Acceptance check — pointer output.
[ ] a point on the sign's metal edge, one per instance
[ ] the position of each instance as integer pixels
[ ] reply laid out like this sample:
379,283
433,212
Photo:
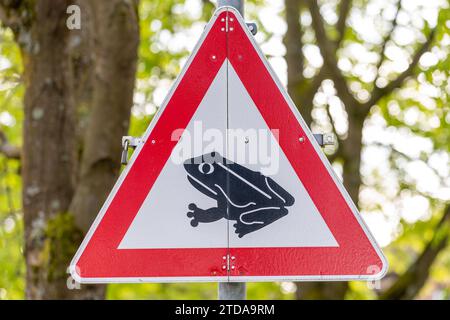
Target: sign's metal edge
187,279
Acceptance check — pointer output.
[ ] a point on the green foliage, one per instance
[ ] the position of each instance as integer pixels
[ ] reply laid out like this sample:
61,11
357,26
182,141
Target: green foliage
162,291
12,264
61,242
195,291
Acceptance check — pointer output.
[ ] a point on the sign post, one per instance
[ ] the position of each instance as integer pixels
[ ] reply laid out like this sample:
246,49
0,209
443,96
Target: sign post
230,290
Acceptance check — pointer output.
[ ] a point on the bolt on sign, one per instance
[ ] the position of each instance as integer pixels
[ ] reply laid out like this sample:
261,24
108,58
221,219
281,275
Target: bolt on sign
228,184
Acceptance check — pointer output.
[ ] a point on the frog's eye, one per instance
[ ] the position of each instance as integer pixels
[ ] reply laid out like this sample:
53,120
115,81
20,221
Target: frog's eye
206,168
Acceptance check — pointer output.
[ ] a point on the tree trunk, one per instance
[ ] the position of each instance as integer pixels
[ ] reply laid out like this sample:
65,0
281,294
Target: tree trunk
113,83
295,59
115,68
48,151
63,80
351,154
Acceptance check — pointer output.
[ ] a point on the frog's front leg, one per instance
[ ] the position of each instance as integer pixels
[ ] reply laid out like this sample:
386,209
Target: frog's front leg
204,215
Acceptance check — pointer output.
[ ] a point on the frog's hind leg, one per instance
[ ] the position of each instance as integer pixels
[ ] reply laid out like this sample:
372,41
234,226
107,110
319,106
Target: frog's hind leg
203,215
256,219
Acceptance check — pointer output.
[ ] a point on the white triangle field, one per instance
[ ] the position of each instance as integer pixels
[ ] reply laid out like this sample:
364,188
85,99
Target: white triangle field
161,222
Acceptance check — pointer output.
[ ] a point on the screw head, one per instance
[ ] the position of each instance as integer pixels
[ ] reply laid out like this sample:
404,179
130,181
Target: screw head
301,139
329,139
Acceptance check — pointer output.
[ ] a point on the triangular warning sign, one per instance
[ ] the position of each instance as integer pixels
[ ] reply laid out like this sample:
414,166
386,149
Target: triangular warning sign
228,185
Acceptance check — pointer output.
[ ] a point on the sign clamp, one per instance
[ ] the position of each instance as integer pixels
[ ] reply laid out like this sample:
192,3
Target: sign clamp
129,142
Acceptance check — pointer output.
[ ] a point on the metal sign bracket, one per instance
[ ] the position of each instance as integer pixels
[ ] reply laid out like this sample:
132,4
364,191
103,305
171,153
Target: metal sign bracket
129,142
323,139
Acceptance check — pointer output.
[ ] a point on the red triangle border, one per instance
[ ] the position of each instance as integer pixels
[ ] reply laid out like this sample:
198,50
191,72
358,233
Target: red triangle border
357,257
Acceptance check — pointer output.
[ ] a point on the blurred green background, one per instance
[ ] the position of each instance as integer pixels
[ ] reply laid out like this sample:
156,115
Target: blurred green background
405,180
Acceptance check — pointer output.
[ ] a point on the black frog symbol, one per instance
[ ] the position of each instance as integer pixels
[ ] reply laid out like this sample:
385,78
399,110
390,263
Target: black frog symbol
245,196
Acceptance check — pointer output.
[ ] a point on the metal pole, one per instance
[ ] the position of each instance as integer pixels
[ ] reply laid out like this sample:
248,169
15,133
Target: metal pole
238,4
232,290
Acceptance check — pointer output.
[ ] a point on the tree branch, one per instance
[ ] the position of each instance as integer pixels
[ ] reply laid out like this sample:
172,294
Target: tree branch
328,52
9,14
308,94
344,10
3,16
295,58
112,95
338,152
379,93
308,91
8,150
293,42
386,39
330,117
411,282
